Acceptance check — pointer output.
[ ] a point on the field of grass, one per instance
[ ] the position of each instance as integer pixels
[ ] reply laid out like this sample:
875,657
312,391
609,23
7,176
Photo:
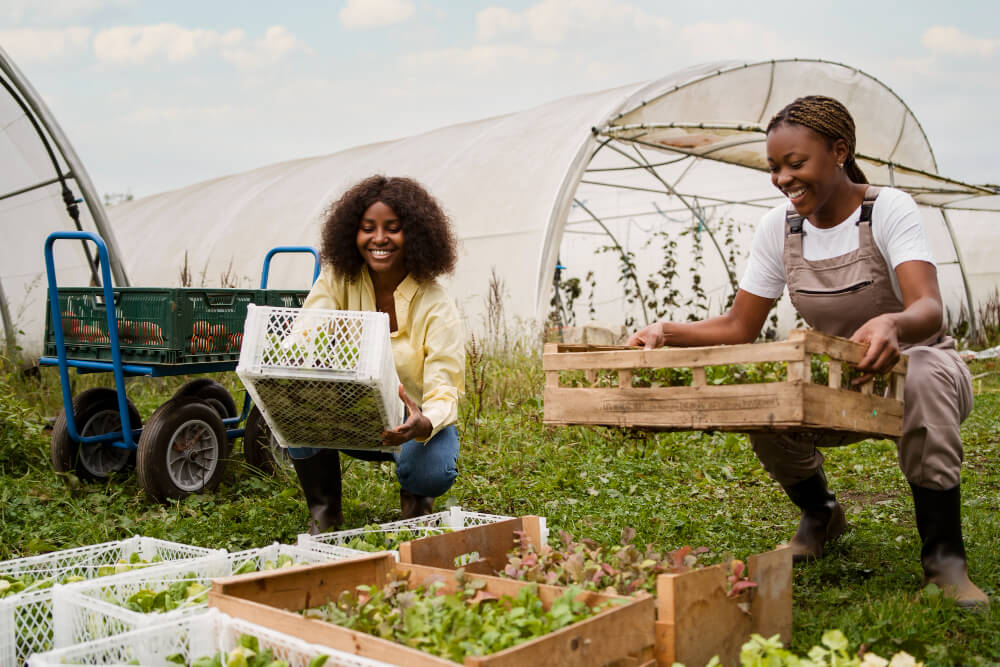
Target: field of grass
674,489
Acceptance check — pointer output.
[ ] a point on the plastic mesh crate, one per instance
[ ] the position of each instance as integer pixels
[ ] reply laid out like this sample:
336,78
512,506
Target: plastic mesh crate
26,623
190,639
322,378
155,325
455,518
90,610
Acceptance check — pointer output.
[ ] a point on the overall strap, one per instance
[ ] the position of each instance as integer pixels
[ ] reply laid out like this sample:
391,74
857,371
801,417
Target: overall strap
793,221
871,194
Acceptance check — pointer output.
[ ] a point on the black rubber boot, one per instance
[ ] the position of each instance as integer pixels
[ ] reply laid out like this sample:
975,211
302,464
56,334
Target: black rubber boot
939,522
822,517
319,476
411,506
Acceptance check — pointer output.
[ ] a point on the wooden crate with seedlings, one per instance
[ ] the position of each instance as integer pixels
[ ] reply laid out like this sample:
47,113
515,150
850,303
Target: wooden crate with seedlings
695,620
613,388
621,635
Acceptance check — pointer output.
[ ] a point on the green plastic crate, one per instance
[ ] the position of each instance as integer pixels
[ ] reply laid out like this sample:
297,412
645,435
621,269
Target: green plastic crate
169,325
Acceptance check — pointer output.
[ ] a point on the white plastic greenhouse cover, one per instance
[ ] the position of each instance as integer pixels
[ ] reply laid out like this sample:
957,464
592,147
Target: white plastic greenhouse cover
514,184
37,161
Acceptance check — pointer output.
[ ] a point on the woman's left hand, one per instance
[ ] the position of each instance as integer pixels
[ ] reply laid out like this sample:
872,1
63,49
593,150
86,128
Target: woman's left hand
416,426
882,337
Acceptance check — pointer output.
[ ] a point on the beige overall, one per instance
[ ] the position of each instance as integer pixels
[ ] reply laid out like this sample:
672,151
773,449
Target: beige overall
838,295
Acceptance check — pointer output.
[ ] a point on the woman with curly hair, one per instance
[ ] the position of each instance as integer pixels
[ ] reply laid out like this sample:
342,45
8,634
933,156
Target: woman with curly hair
384,243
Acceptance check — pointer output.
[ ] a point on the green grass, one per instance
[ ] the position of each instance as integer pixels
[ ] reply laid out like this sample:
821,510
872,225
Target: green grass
674,489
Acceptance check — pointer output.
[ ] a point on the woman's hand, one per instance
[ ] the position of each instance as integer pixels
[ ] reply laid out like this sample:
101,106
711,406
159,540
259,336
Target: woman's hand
416,426
649,338
882,337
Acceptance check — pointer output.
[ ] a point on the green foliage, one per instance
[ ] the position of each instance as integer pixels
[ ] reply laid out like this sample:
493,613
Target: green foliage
468,621
22,444
246,653
832,651
620,570
186,592
376,538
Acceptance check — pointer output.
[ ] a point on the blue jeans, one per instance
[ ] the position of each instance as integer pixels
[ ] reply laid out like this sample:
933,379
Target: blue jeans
422,468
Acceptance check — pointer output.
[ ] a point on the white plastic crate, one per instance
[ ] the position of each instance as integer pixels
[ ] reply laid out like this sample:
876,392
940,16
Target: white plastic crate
26,623
455,518
192,638
90,610
321,378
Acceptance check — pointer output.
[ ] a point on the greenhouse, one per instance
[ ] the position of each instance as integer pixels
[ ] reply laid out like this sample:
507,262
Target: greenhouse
644,196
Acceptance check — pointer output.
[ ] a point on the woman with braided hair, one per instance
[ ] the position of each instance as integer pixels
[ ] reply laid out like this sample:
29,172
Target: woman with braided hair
857,263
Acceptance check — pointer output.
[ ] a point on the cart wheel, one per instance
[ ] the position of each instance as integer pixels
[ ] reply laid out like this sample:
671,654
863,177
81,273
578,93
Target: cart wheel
211,392
96,413
182,450
261,448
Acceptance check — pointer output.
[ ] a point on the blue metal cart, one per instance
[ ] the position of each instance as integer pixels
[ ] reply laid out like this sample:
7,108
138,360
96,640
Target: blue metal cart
183,447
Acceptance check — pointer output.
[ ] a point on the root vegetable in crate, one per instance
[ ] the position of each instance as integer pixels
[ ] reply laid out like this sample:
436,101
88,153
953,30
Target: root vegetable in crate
321,378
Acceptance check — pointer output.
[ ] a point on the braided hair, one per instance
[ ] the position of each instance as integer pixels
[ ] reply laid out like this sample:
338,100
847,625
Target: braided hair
828,117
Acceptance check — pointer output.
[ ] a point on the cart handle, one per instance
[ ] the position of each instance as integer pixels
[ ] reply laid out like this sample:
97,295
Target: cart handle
57,328
288,248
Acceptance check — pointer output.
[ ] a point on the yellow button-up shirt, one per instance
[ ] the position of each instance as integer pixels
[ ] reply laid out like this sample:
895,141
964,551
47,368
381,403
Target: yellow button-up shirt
428,345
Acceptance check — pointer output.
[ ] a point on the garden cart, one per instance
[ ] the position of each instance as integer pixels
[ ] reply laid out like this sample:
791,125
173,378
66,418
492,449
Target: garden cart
157,332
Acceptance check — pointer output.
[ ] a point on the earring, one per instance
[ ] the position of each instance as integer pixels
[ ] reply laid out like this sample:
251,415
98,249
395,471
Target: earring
840,165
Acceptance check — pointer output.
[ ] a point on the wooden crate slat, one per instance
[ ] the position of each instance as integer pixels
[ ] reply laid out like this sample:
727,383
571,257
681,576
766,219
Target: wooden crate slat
674,357
696,620
839,348
491,541
850,411
771,603
777,404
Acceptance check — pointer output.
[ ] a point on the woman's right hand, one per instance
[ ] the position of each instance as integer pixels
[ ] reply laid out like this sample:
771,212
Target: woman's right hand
649,338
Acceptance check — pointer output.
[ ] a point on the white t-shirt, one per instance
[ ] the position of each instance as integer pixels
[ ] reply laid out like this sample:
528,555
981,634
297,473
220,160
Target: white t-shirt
896,227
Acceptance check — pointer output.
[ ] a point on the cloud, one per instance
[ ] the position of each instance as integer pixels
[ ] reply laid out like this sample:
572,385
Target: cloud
552,21
277,43
949,40
376,13
41,45
135,45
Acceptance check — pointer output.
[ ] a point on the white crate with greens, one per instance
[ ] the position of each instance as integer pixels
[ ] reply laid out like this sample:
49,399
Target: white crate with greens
388,536
321,378
209,639
85,611
26,585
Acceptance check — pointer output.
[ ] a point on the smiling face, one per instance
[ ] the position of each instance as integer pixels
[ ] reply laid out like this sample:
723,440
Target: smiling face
380,242
804,166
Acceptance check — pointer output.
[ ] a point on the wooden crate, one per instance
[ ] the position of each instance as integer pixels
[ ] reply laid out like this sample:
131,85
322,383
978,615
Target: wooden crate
695,618
795,403
621,635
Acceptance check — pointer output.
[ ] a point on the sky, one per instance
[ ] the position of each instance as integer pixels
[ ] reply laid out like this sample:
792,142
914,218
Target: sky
158,95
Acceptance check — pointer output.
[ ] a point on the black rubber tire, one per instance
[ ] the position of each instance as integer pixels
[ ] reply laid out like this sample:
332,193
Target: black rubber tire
260,449
211,392
96,412
167,466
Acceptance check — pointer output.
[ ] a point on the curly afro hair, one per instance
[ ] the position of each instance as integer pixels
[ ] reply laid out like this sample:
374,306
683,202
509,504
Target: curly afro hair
431,248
